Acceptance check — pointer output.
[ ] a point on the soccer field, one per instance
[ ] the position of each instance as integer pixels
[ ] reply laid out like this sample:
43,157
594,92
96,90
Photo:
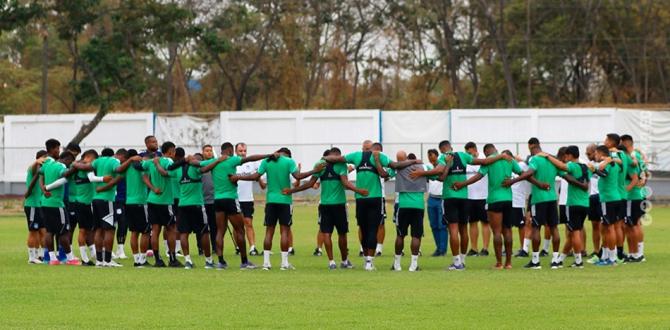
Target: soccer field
625,296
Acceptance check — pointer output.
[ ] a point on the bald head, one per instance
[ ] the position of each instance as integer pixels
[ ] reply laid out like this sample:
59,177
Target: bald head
591,151
367,145
401,156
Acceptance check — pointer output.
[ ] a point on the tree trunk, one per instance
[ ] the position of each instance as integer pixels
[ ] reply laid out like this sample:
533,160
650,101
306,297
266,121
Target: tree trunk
172,56
529,90
75,69
45,73
86,129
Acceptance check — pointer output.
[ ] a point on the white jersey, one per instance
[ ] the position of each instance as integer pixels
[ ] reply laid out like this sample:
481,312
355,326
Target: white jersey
245,189
434,186
520,190
479,189
594,181
562,191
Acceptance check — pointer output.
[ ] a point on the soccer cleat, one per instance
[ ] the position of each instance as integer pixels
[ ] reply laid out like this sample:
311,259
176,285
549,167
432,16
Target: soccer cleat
146,264
456,267
396,268
98,263
605,262
121,255
369,266
577,265
54,262
73,262
544,253
594,259
88,263
287,267
346,264
159,263
643,259
209,265
378,253
188,265
472,253
554,265
221,265
532,265
175,264
620,261
114,264
484,253
593,254
248,266
34,261
332,266
138,265
267,266
253,252
521,254
317,252
414,269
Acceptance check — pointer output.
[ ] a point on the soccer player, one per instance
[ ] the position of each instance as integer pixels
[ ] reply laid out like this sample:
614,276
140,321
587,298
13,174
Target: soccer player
435,214
623,160
31,206
381,230
520,194
279,167
120,213
246,196
207,153
53,207
544,209
476,206
332,207
636,198
595,212
499,201
610,201
578,177
137,182
226,202
369,209
451,169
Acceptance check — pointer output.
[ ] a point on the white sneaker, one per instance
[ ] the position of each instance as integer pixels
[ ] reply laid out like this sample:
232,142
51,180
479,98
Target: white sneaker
287,267
369,267
121,255
267,266
114,264
34,261
396,268
114,256
414,269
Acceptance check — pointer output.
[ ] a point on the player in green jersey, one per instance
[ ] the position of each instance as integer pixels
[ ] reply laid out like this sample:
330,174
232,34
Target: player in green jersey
636,201
31,206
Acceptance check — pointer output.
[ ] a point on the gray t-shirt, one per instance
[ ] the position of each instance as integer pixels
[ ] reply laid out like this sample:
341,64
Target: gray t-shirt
208,188
403,183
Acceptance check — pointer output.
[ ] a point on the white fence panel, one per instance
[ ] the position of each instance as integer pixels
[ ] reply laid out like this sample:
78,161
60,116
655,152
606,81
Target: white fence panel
189,132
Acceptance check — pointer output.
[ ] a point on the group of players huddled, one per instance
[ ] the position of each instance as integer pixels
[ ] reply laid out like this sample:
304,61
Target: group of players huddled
166,191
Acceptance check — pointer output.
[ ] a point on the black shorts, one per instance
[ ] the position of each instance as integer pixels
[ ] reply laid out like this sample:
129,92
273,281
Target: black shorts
562,215
137,217
333,217
247,209
518,217
477,210
455,210
119,211
369,210
72,219
34,218
162,215
55,220
595,211
228,206
622,209
193,219
610,211
275,212
576,216
83,213
634,211
544,214
410,217
103,213
504,207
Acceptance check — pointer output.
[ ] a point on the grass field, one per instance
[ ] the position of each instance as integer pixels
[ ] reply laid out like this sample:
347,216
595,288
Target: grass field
626,296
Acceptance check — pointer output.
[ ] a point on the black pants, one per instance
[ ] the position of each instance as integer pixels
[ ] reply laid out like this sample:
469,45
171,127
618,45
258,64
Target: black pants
369,215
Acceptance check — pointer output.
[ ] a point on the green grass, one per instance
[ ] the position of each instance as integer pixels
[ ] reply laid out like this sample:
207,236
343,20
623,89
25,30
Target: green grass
627,296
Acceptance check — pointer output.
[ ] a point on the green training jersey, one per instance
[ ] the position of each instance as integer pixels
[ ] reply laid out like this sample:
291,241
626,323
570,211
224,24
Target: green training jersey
636,192
626,163
457,173
499,171
577,196
164,183
35,196
85,189
545,172
105,166
223,188
174,182
190,186
136,190
366,172
608,184
278,178
411,200
52,172
332,190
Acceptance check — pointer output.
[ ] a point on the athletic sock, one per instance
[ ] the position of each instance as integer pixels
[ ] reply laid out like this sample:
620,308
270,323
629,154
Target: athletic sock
526,244
208,259
396,260
251,248
119,249
187,258
578,258
331,262
221,261
266,257
554,257
379,248
69,255
108,256
244,260
40,252
83,253
545,244
361,249
31,254
620,253
415,262
91,248
172,256
157,256
640,248
136,258
535,258
177,246
284,258
290,249
613,255
463,258
52,255
601,253
98,256
456,260
561,257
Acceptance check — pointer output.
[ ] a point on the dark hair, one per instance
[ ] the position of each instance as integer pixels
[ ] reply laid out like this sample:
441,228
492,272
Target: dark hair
146,138
226,146
132,153
107,152
614,137
73,147
621,147
603,149
444,143
40,154
507,152
533,140
626,137
52,144
336,150
326,152
197,154
572,151
206,146
180,152
561,152
433,151
239,143
378,145
285,150
411,156
471,145
166,146
122,152
93,153
66,155
488,146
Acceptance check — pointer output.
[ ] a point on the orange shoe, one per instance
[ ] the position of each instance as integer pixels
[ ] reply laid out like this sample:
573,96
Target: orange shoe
54,262
73,262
